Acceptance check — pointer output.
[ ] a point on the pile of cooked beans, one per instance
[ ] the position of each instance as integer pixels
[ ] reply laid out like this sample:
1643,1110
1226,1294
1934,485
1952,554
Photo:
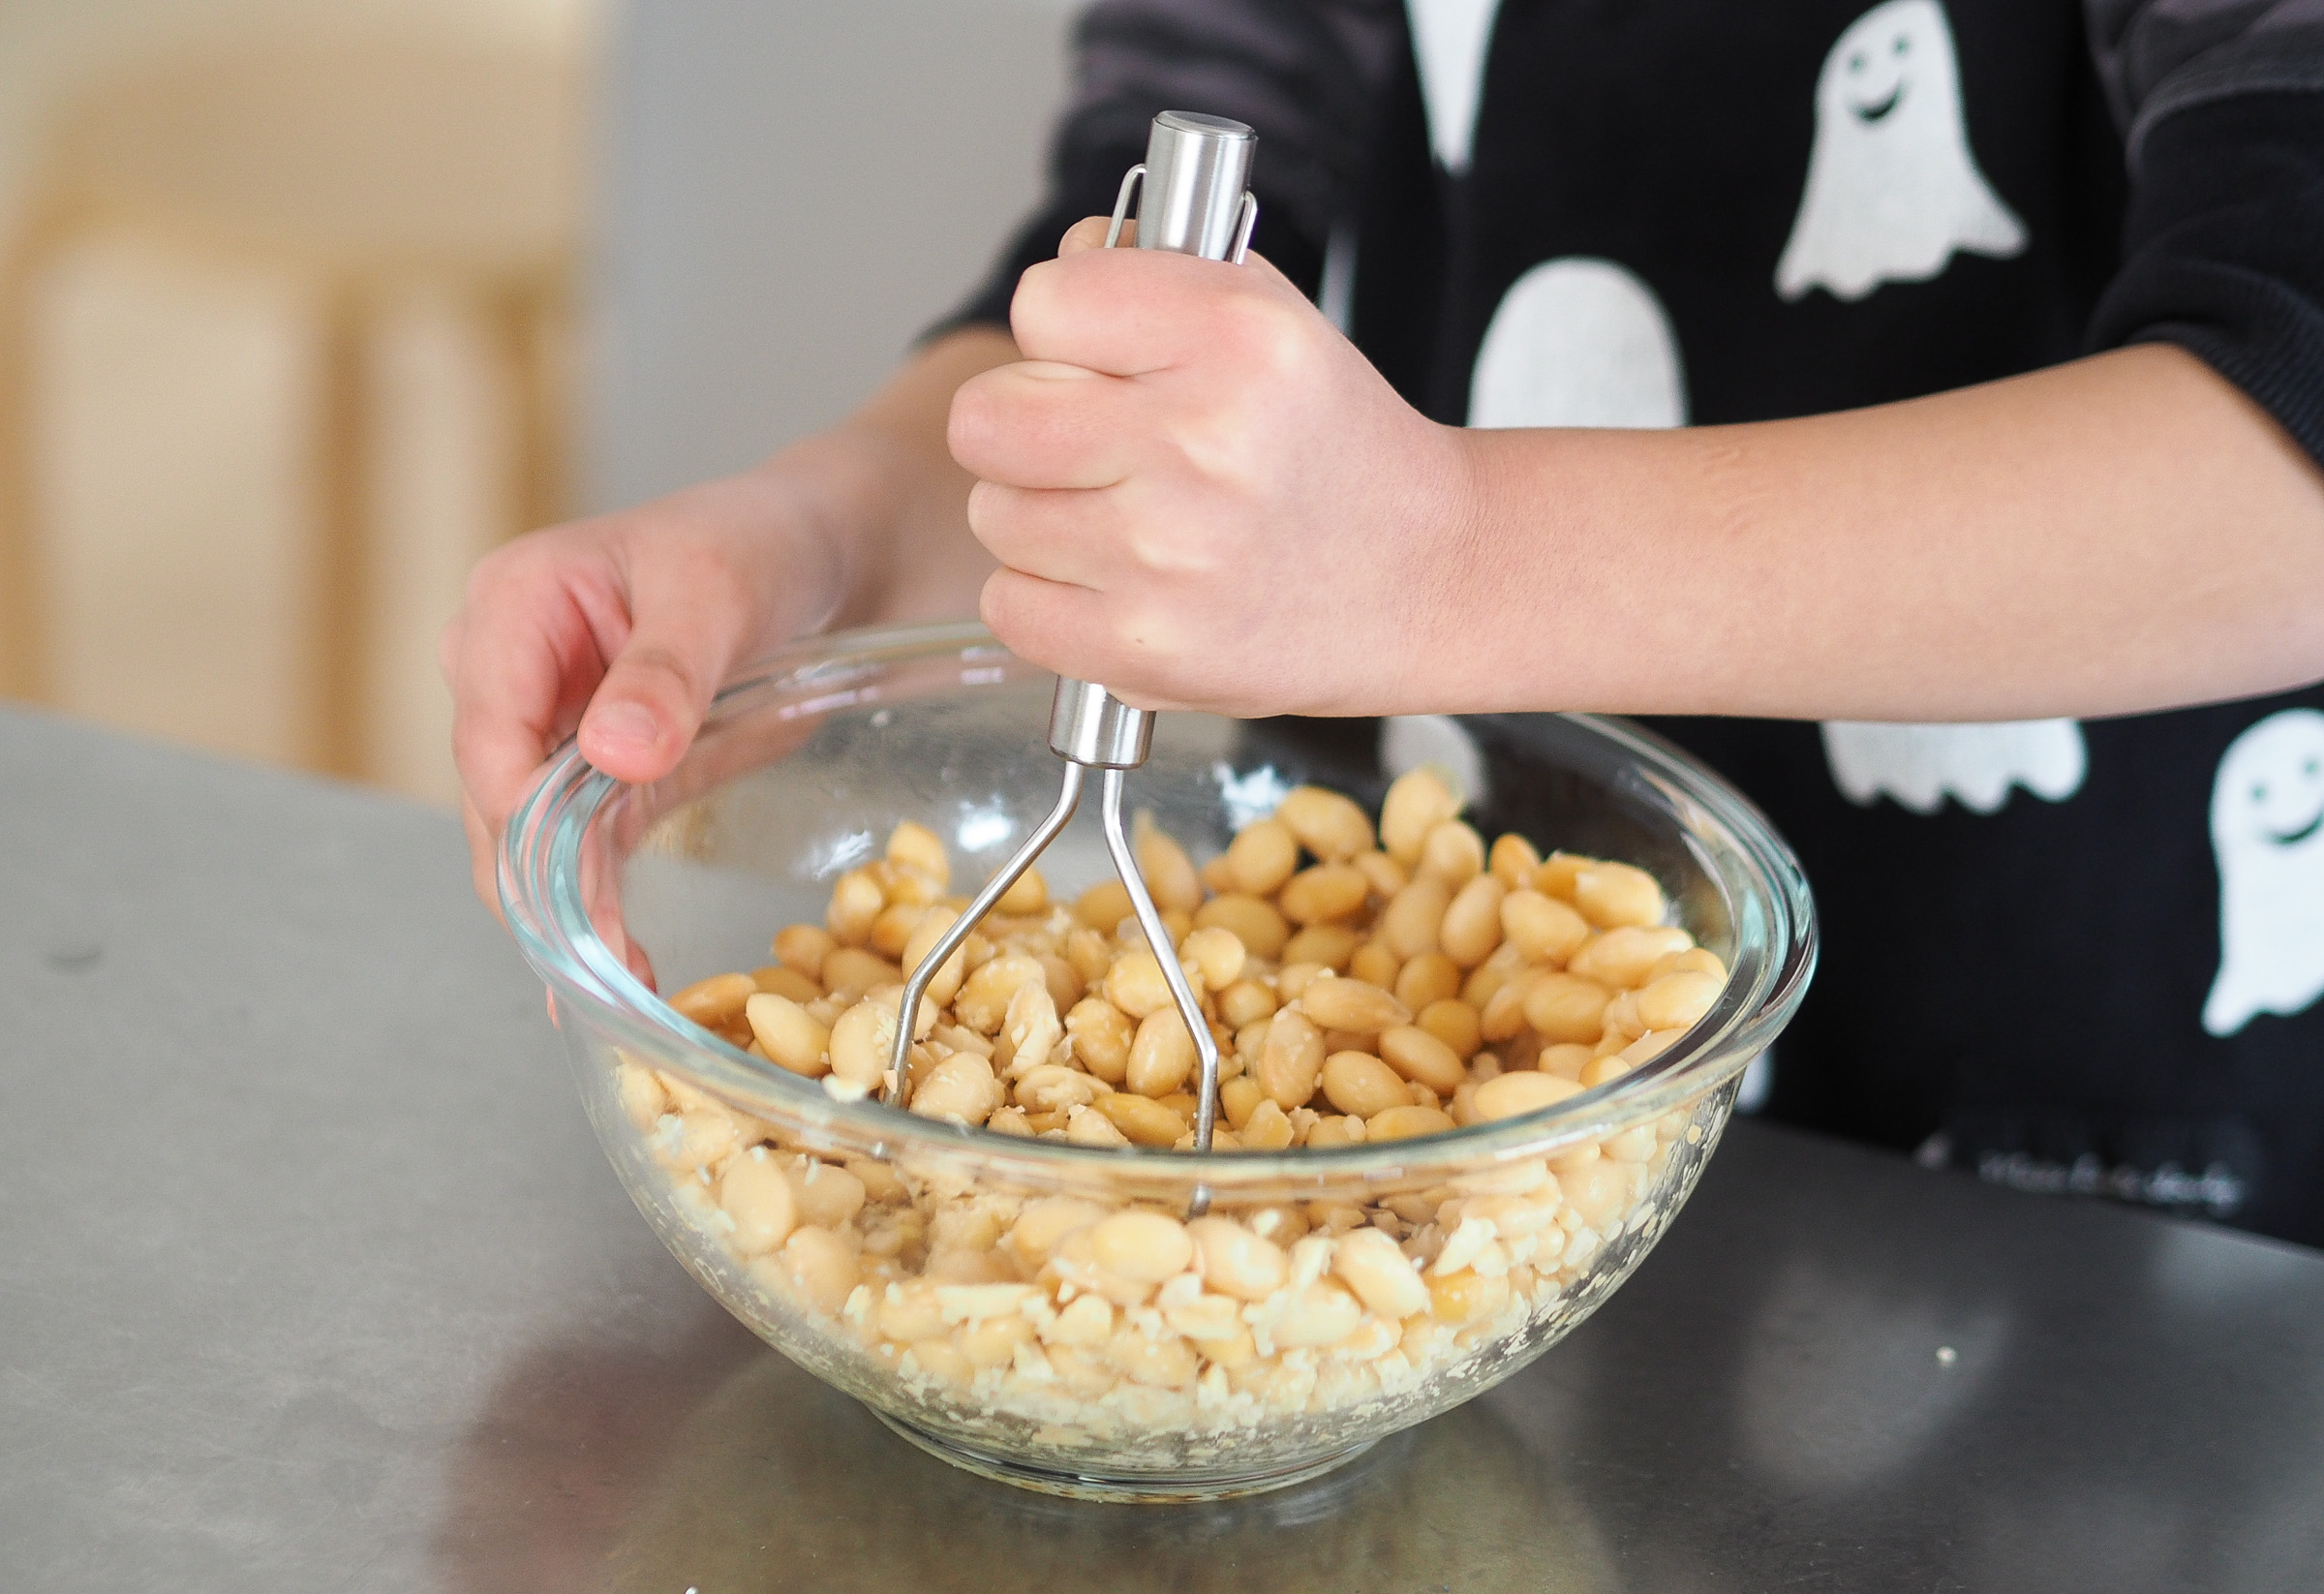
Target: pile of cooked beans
1362,985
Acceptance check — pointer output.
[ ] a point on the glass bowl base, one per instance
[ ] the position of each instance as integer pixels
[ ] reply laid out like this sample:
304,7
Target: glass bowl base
1177,1488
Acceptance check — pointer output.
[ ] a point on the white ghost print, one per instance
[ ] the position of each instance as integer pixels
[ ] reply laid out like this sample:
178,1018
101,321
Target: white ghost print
1892,189
1449,41
1920,766
1578,342
2267,830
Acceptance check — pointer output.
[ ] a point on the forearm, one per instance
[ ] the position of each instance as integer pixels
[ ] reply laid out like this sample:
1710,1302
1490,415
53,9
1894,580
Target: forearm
882,489
2127,532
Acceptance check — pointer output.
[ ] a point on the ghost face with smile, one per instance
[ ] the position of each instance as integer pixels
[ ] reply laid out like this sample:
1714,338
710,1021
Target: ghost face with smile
2286,807
1874,79
1891,72
1892,191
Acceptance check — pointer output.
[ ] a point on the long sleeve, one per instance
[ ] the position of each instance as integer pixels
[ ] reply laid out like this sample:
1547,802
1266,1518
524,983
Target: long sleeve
2220,103
1305,74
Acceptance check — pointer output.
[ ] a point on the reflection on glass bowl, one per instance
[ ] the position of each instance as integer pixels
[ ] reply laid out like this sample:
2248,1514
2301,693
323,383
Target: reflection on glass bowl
772,1471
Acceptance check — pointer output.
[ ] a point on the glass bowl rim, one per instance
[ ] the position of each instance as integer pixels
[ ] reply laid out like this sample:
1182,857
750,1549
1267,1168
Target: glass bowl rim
540,900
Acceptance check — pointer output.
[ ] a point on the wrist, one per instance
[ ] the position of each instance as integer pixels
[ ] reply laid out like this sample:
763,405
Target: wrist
1484,594
1551,534
839,496
880,500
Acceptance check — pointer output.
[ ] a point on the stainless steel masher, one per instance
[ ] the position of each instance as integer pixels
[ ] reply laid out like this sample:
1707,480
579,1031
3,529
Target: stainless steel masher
1192,197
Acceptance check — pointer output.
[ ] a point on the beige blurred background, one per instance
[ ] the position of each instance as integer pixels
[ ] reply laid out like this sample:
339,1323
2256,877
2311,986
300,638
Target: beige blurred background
306,304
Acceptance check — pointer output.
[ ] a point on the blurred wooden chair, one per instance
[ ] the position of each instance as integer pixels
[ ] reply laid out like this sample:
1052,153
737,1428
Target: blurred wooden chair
284,348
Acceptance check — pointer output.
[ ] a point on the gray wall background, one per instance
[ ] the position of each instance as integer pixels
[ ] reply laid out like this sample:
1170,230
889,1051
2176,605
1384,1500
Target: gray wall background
794,189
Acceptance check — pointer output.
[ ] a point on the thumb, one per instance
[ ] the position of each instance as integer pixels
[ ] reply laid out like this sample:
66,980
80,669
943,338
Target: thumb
685,629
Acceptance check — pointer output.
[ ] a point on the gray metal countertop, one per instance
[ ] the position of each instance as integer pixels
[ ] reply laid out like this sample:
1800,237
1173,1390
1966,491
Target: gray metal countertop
312,1278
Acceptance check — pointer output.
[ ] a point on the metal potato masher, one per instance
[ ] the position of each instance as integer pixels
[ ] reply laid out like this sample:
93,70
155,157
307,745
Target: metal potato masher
1192,197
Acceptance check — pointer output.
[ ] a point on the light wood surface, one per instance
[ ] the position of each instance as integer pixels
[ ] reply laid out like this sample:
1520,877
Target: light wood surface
282,343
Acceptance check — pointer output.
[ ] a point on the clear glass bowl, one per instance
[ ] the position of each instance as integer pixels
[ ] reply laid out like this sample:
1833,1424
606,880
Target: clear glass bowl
805,766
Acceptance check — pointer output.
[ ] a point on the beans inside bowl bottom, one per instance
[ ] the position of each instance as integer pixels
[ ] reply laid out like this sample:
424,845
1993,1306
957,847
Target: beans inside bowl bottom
1364,985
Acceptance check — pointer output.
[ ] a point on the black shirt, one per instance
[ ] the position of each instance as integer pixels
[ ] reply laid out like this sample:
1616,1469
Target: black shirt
2085,957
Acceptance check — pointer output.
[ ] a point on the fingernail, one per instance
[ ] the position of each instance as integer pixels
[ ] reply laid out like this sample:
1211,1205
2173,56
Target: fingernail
624,724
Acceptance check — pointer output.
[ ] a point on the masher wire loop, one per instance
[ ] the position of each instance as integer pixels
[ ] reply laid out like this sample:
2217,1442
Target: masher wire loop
1193,198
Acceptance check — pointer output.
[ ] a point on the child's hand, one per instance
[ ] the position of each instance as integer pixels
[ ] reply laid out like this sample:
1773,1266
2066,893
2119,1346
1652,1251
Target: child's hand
637,618
1203,496
626,624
